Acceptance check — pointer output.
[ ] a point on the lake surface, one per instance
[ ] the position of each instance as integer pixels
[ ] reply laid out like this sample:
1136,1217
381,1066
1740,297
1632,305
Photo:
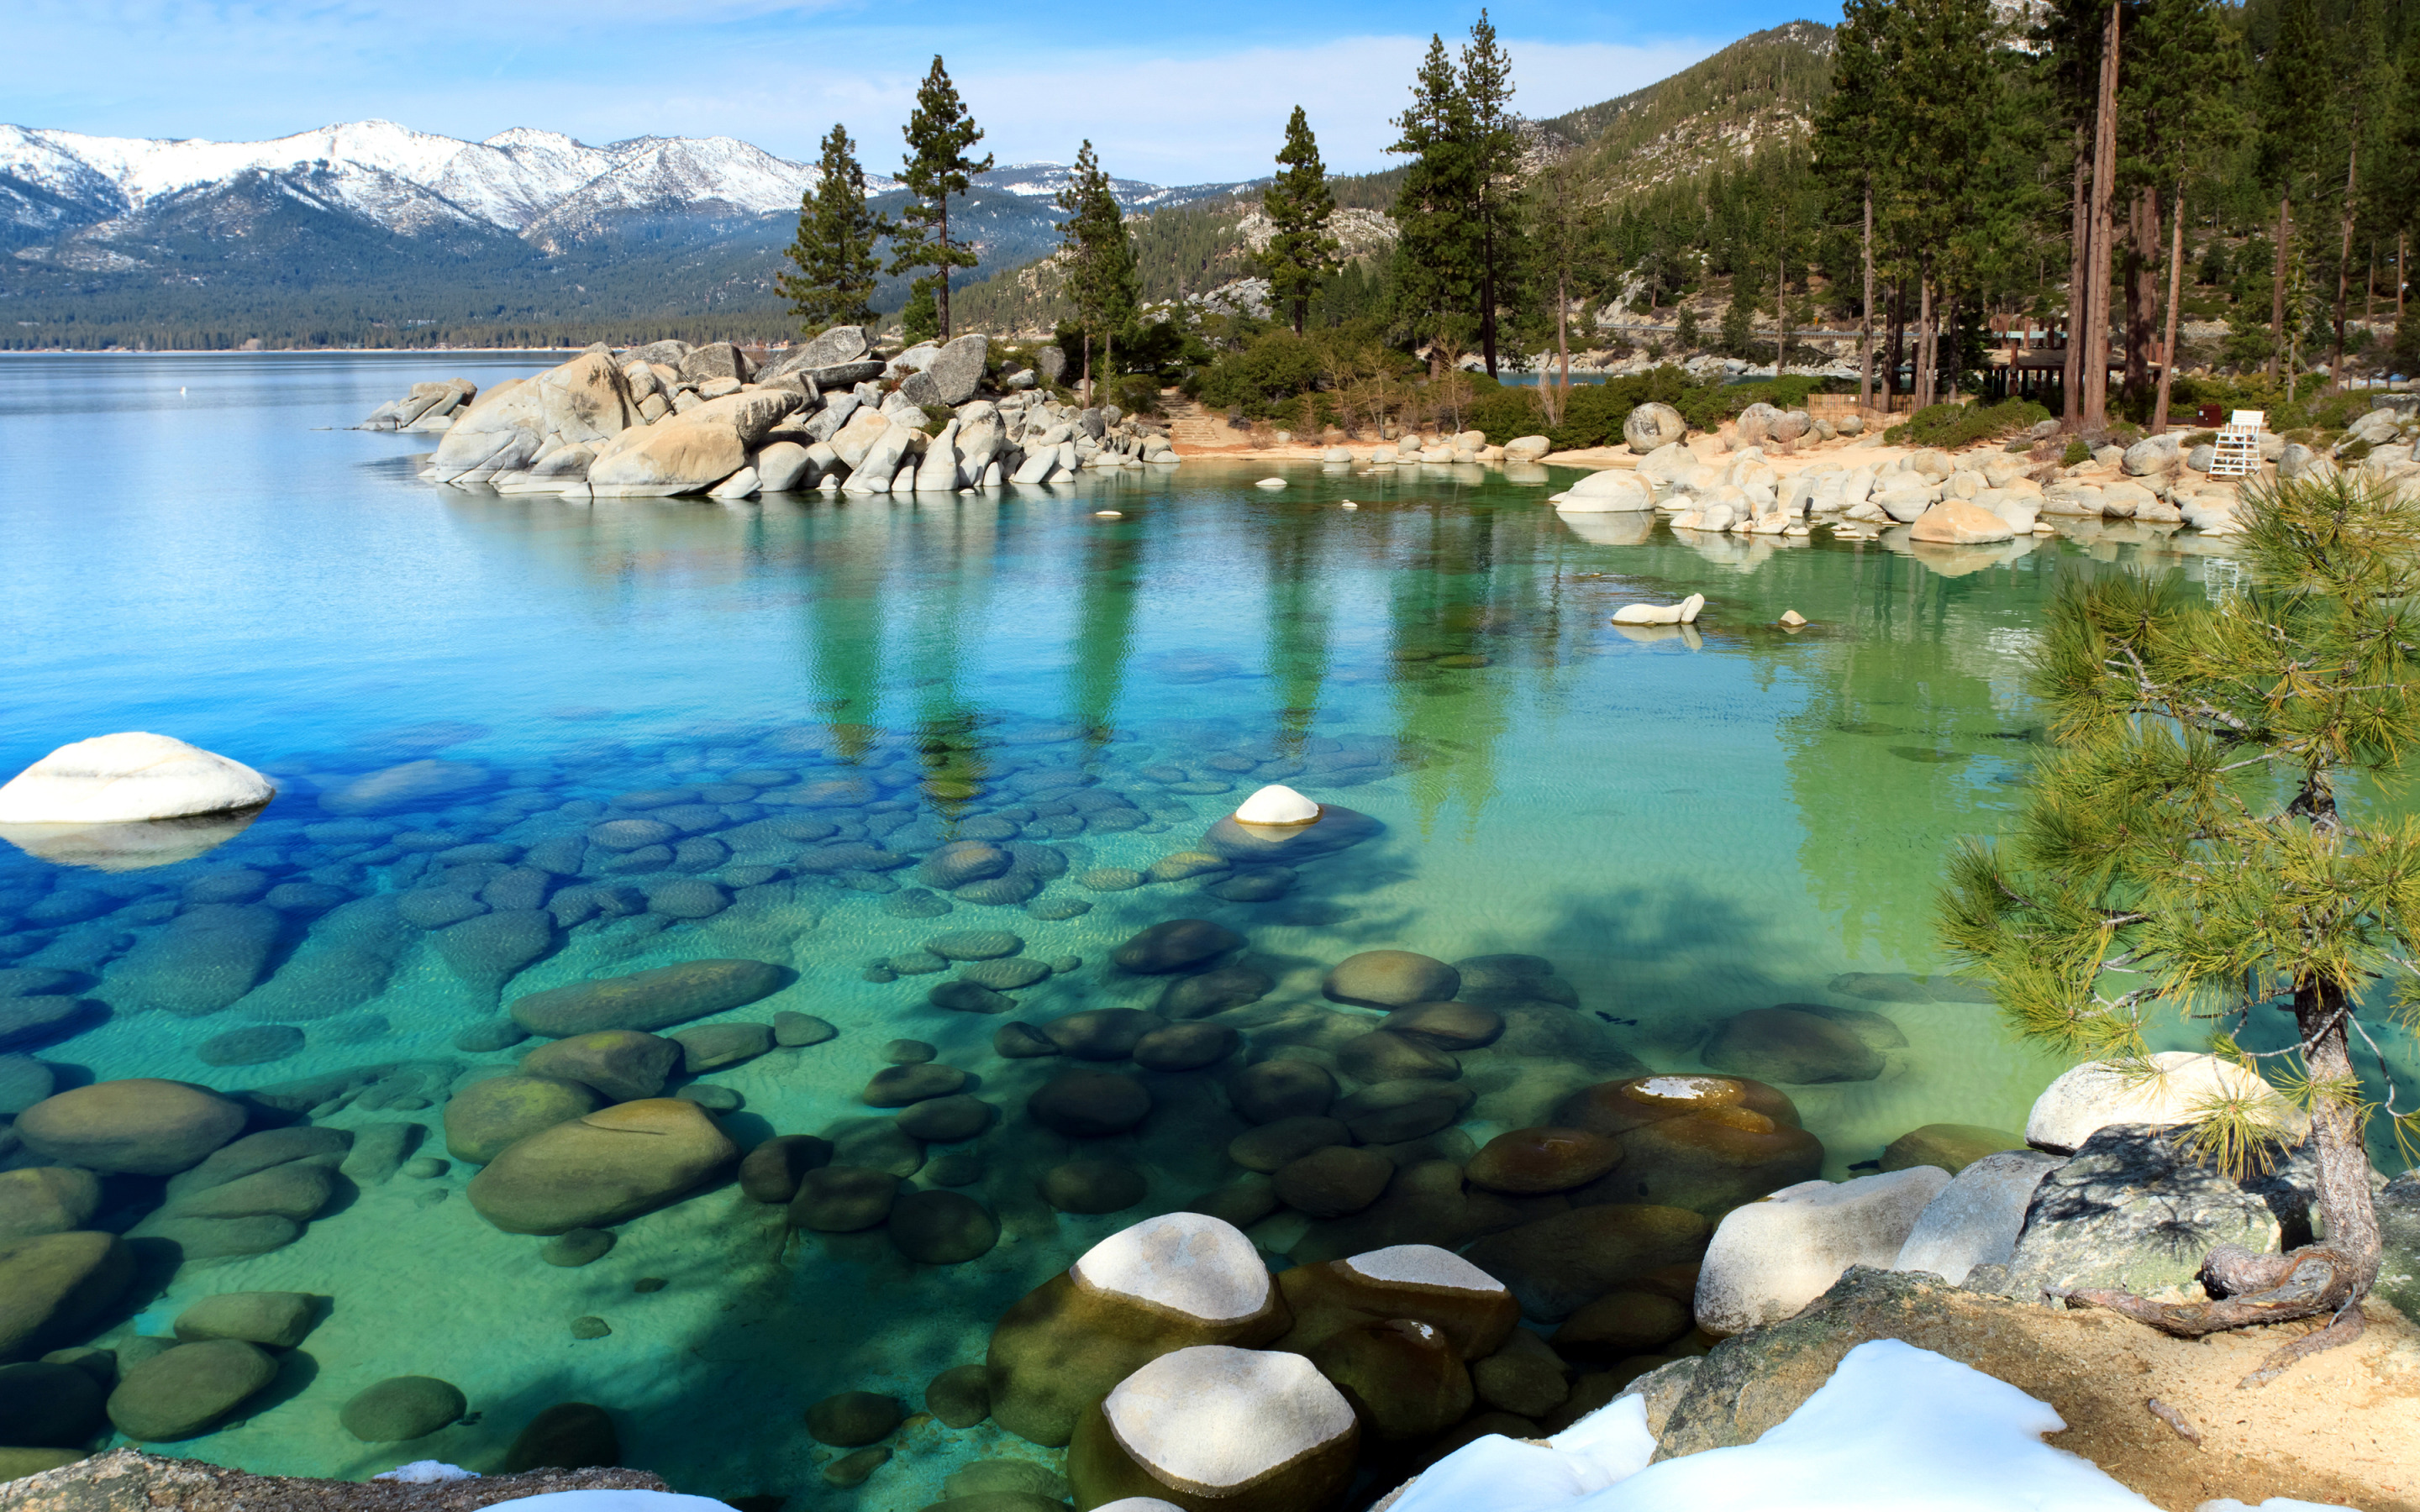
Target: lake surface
1685,825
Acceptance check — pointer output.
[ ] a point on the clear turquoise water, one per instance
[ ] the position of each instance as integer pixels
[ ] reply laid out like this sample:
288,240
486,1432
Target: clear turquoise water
1685,825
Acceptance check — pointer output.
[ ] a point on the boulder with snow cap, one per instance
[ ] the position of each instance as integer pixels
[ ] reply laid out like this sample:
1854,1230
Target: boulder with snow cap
1474,1311
1166,1284
1215,1428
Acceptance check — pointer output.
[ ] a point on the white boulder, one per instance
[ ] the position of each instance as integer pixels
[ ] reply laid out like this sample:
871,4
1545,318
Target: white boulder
128,777
1270,483
1277,804
1976,1218
1214,1421
1612,491
1186,1263
1683,612
1527,448
1773,1256
2175,1086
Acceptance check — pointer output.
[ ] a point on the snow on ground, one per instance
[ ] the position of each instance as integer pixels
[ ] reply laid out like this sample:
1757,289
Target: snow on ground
1895,1430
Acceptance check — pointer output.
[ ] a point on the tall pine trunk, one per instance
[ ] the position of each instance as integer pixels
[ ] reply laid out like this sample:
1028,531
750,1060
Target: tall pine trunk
1924,370
2079,258
1562,345
2168,346
1487,283
1897,337
2142,284
2344,255
2105,184
1866,323
2278,285
942,295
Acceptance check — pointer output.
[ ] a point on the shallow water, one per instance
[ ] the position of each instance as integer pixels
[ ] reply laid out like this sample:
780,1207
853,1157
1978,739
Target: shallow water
1685,824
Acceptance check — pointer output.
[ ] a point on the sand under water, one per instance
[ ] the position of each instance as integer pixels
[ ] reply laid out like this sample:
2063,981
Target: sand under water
662,732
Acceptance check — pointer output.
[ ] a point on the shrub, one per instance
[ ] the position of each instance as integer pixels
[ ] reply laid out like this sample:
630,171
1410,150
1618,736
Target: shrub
1278,366
1137,394
2076,455
1503,411
1952,425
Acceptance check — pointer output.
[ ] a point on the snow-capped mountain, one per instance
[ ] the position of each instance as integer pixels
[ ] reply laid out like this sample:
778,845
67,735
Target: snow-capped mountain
404,179
372,221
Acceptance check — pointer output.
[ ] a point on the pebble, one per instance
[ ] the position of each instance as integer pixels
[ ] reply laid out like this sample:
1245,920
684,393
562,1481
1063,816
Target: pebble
425,1167
576,1246
908,1052
796,1029
590,1328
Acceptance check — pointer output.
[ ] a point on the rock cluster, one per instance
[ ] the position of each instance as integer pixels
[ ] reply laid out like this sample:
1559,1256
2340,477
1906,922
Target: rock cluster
833,413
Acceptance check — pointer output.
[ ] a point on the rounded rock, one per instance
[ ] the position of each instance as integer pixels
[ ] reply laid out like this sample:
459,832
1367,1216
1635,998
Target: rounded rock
1618,1106
942,1227
140,1126
1388,1112
486,1118
1334,1181
623,1065
189,1389
1623,1323
843,1199
46,1199
1527,1162
1213,991
566,1436
590,1173
1093,1186
1186,1046
1102,1033
1382,1057
1785,1044
280,1320
256,1046
1445,1025
1391,979
1175,945
960,1397
49,1403
130,778
771,1171
650,999
401,1407
853,1418
1403,1377
1089,1104
1709,1163
896,1087
1282,1089
946,1121
577,1247
1281,1142
1244,1430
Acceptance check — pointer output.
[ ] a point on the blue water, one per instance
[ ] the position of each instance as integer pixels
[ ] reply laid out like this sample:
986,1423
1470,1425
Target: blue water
1685,825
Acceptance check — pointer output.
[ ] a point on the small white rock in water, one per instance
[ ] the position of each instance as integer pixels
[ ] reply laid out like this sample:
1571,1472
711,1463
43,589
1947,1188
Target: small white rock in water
1683,612
1270,483
1277,804
128,777
426,1472
1109,514
1792,618
1350,504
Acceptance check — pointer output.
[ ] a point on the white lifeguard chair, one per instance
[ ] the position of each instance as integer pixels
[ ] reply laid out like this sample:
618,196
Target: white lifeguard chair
2236,454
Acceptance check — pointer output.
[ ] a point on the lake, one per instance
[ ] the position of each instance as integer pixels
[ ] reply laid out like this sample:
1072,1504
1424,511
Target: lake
1675,828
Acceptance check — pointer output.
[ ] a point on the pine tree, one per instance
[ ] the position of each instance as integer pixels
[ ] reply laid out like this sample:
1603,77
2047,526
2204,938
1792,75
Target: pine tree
938,132
1298,204
2297,88
1851,148
2185,847
835,251
1100,261
1436,244
1494,165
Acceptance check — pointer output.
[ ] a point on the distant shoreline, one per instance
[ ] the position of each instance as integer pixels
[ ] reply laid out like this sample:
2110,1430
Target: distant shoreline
300,351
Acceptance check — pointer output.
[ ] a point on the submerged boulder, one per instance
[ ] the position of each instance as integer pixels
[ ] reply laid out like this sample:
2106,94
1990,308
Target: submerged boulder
596,1171
189,1389
53,1284
140,1126
648,999
1473,1310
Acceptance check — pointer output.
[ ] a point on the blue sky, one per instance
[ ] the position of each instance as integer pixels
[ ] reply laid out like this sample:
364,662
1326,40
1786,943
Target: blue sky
1168,94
